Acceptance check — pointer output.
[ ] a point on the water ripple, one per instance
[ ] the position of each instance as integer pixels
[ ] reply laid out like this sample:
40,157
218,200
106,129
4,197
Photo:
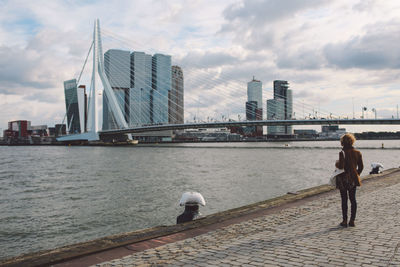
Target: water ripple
54,196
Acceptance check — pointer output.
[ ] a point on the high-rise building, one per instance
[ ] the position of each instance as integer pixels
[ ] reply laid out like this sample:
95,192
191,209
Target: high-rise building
82,88
141,84
254,92
251,110
275,111
117,66
254,106
140,91
75,106
280,89
161,83
280,108
175,97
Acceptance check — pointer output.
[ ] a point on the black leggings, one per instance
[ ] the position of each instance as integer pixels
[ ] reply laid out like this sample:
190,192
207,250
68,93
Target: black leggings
352,196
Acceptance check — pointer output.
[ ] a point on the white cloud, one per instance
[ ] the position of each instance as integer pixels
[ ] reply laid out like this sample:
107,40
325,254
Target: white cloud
376,49
330,51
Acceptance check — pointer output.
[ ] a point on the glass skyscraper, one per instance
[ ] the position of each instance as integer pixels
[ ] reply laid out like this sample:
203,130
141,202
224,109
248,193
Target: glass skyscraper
280,108
161,84
75,106
141,84
275,111
254,106
141,74
254,92
117,66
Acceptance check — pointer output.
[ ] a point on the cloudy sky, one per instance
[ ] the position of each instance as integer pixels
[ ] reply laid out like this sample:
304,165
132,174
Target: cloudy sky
336,54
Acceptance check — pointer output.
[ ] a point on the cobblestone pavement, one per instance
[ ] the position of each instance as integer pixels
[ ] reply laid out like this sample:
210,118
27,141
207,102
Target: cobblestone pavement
307,235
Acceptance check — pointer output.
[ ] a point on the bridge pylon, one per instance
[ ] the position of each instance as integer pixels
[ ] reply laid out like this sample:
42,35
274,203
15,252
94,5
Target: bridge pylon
98,69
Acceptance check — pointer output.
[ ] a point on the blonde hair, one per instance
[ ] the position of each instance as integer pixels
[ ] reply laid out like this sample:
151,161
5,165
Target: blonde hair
347,140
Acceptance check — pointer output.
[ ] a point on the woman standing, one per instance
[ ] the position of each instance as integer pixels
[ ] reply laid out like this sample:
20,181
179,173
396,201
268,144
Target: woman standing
351,160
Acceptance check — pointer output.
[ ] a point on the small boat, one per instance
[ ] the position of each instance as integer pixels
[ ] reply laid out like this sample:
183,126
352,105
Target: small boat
133,142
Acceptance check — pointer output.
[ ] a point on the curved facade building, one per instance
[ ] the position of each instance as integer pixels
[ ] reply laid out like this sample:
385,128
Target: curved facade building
280,108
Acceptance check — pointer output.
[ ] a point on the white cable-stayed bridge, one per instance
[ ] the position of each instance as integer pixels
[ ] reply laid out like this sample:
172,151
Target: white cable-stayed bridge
128,118
199,125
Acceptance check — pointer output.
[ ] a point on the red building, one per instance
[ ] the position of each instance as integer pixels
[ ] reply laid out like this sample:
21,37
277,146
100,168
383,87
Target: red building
19,127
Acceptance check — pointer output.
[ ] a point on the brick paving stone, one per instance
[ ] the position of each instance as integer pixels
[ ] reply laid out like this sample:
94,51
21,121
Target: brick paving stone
305,235
326,265
256,259
256,263
241,260
235,263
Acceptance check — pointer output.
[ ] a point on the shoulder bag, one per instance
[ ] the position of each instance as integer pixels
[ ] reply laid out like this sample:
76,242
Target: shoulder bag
336,172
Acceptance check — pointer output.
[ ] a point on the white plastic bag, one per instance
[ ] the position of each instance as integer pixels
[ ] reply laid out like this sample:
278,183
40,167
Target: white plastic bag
336,172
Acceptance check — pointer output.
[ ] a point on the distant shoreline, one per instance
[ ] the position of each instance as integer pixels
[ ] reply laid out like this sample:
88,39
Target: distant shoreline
205,142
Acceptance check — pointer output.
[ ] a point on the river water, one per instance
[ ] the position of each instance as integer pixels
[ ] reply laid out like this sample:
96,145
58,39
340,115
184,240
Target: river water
52,196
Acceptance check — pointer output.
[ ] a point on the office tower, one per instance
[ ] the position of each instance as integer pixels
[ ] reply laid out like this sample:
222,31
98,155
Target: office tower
254,106
83,107
275,111
175,98
117,66
140,91
280,89
254,92
75,107
251,110
281,108
161,83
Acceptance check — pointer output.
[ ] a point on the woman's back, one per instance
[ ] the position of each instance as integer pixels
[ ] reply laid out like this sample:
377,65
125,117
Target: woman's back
352,163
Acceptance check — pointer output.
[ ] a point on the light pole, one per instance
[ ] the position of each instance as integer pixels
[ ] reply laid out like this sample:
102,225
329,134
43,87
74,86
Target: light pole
374,110
363,109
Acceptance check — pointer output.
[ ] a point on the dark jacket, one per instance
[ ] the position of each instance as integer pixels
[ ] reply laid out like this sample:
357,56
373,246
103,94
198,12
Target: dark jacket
352,164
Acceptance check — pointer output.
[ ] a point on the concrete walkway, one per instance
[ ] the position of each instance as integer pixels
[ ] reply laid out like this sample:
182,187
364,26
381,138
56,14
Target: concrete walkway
301,235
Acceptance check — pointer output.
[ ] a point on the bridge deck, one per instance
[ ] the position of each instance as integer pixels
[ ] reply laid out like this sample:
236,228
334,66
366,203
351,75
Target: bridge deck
163,127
